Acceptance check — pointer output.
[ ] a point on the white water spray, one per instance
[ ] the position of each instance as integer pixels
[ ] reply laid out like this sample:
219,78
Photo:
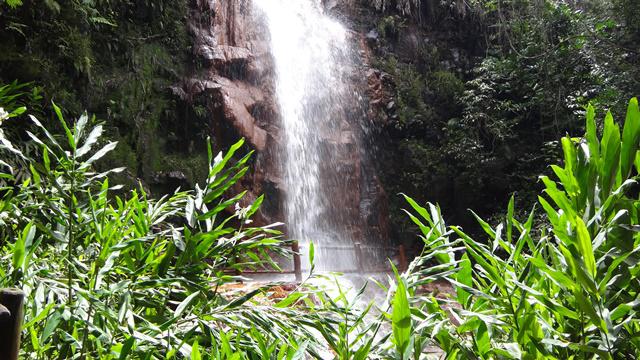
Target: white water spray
313,61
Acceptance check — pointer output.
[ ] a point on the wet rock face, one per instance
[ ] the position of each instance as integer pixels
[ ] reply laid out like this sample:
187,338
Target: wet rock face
233,74
236,77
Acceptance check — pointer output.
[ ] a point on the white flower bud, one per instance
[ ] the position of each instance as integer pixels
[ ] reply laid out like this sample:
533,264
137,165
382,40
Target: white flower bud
3,114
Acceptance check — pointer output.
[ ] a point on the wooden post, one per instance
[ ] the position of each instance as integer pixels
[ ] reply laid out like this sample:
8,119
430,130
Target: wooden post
11,303
297,265
402,255
359,258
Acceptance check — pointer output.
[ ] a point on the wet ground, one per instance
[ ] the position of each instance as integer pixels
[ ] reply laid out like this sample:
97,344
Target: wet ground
281,285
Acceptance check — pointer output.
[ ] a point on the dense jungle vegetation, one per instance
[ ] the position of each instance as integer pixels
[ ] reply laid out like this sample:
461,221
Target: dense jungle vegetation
535,102
484,90
110,276
118,60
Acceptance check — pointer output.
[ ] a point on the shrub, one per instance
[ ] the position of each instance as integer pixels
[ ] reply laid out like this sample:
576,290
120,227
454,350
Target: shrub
132,277
565,291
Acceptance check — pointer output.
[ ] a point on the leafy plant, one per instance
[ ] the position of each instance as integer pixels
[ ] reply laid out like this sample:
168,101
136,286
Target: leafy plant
112,277
13,3
568,289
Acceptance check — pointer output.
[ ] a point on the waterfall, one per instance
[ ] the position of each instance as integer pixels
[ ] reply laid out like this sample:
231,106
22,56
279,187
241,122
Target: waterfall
320,113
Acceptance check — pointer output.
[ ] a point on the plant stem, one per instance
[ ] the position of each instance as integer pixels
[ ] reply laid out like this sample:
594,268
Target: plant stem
513,311
606,334
85,336
71,211
582,339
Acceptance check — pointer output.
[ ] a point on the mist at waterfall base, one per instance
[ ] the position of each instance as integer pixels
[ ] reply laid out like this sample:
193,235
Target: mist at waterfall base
321,126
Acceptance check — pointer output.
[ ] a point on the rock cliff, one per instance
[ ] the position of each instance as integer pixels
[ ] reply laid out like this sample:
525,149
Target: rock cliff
236,78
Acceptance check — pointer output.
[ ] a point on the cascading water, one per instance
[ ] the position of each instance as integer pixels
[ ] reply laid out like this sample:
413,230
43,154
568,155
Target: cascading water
314,66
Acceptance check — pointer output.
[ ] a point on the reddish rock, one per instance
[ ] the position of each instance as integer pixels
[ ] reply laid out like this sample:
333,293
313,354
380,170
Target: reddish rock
237,81
223,55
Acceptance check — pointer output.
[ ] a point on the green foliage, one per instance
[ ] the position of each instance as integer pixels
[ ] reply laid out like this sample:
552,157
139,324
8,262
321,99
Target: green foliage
446,86
389,26
405,7
118,59
569,291
13,3
132,277
401,320
14,96
410,91
490,88
545,63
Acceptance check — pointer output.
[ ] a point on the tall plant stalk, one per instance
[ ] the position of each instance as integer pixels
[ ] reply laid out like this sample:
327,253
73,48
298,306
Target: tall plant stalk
70,222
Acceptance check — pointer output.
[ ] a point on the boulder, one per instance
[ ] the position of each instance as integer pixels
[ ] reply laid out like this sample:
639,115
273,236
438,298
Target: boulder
222,55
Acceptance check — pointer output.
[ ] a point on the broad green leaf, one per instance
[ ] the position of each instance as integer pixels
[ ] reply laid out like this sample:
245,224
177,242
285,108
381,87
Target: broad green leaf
102,152
255,206
464,276
70,138
220,161
51,325
401,319
290,299
21,245
312,253
91,139
557,275
126,348
611,154
585,247
591,135
630,138
195,351
184,304
483,341
584,303
419,209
